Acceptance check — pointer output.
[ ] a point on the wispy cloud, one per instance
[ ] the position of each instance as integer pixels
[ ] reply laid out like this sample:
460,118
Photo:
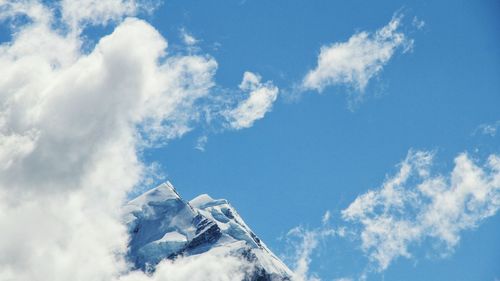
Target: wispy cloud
305,242
355,62
188,38
418,23
201,142
489,129
261,97
416,205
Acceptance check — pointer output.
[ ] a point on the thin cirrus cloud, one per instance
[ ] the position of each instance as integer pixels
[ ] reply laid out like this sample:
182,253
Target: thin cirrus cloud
416,205
359,59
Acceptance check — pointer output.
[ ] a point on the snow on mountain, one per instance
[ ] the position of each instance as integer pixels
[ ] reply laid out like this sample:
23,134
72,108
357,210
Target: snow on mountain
163,226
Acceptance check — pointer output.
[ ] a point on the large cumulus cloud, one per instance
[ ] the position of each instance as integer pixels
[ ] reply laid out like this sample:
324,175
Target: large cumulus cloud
72,125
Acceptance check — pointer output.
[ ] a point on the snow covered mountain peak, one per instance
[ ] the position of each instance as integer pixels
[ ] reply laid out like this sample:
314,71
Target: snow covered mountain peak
160,193
163,226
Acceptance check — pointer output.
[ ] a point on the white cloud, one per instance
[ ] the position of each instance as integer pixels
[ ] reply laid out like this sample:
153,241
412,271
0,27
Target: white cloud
72,125
326,217
201,142
79,13
188,38
213,265
416,205
83,106
358,60
14,147
260,101
305,242
488,129
418,23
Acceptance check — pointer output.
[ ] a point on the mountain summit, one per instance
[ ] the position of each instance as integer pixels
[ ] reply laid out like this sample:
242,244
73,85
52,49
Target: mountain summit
163,226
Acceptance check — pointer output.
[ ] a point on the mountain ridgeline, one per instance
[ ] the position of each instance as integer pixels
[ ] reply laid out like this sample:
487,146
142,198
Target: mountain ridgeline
163,226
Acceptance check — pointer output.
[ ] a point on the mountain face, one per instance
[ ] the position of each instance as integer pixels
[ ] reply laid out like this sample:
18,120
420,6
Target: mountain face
163,226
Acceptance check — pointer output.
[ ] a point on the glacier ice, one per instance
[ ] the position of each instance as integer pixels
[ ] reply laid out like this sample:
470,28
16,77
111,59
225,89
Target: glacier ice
164,226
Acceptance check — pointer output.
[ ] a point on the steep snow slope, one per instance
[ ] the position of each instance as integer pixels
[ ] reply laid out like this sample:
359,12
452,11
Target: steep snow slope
163,226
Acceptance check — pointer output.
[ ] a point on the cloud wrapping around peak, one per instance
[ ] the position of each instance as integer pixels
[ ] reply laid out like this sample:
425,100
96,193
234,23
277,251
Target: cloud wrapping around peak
358,60
259,102
415,206
214,265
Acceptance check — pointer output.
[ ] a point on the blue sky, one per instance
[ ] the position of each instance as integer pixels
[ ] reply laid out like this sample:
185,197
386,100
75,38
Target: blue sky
315,148
315,153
